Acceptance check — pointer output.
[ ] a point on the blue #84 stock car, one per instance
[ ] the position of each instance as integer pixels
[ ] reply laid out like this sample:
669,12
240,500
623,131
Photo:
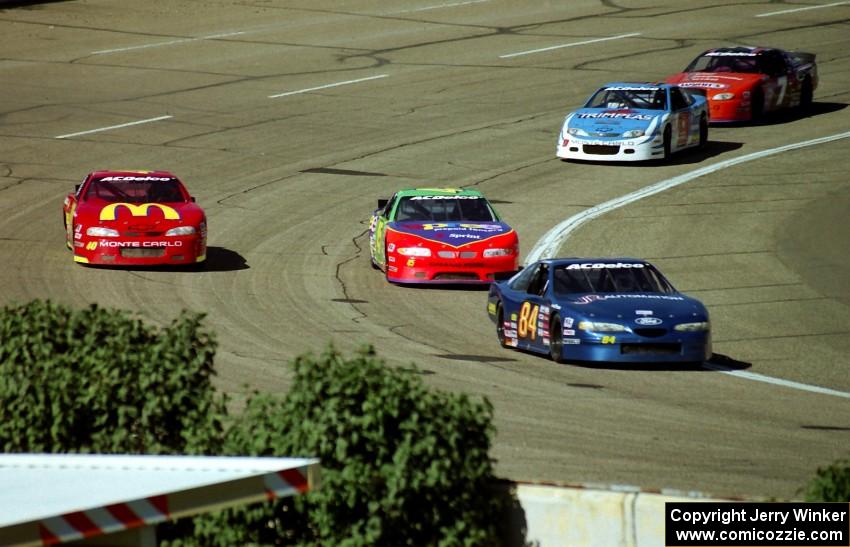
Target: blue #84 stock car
635,122
599,309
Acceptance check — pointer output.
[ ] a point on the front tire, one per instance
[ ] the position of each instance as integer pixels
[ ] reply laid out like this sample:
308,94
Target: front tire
668,144
556,340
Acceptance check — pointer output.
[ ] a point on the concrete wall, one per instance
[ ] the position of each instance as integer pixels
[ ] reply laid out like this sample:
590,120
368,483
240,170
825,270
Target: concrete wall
607,516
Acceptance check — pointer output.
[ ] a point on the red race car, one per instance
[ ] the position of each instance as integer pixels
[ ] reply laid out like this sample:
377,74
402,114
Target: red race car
134,218
743,83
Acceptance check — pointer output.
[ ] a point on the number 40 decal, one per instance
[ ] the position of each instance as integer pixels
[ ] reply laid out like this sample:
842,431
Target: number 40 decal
527,324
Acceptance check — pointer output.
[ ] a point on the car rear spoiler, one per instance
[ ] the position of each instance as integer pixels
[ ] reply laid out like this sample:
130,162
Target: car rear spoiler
803,58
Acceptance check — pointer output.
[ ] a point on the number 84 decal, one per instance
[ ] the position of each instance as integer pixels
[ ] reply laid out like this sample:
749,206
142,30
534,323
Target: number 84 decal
527,324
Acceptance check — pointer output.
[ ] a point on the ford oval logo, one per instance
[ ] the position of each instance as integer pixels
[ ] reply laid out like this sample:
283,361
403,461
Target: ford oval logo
648,321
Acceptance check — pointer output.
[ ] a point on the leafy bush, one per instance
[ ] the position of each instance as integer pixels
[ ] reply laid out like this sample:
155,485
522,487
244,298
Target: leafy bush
99,380
831,483
401,464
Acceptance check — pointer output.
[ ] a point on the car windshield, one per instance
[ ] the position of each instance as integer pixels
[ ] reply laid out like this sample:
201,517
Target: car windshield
127,189
716,62
625,97
609,278
445,208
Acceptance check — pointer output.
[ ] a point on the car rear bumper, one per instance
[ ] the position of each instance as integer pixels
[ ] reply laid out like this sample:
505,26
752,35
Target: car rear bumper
176,251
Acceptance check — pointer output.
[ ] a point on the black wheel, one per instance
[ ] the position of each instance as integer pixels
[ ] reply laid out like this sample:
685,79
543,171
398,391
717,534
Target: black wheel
556,340
806,95
757,105
703,132
668,144
500,325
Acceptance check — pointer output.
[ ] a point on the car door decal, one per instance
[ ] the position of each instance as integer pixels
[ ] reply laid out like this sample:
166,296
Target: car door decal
527,323
781,84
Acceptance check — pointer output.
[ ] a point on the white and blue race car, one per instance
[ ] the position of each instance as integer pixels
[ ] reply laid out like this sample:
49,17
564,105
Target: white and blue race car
635,122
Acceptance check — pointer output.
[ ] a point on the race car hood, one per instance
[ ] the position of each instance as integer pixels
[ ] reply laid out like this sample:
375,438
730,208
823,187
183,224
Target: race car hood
603,122
451,233
715,81
626,307
147,217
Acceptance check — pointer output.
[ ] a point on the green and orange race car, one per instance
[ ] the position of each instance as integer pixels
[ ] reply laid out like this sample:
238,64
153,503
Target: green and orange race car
441,235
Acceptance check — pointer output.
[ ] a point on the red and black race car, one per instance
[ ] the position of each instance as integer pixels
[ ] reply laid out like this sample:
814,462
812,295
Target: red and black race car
743,83
134,218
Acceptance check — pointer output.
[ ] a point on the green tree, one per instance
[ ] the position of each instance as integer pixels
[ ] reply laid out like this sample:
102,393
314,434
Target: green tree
401,464
100,380
831,483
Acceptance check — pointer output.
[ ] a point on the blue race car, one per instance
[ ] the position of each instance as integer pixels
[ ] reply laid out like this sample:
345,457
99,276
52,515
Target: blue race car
635,122
599,309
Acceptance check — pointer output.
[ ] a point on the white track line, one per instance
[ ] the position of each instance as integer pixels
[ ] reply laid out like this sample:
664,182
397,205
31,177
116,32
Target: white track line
553,240
168,43
776,381
98,130
550,48
439,6
309,89
801,9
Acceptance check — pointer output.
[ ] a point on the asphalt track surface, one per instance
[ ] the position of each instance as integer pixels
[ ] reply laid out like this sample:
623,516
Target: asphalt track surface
289,119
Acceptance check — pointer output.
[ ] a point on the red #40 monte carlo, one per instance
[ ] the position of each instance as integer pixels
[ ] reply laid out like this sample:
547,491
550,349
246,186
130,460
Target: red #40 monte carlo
134,218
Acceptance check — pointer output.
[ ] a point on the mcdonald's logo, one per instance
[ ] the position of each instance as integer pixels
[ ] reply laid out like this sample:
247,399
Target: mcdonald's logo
609,339
110,212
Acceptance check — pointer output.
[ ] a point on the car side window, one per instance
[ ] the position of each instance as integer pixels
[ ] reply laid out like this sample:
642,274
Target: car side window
677,99
521,282
540,281
388,208
772,64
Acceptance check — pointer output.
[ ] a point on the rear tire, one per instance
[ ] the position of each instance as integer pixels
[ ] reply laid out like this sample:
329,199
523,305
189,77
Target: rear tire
806,95
703,132
556,340
500,325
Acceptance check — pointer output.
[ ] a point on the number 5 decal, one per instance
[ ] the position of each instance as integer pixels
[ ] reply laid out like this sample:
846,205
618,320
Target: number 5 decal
527,325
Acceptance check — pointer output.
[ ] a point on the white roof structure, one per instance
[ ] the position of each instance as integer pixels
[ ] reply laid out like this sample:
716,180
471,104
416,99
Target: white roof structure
47,499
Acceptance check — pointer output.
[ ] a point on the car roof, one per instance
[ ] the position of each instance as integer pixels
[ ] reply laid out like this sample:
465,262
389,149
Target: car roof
737,50
637,85
130,172
592,260
438,192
